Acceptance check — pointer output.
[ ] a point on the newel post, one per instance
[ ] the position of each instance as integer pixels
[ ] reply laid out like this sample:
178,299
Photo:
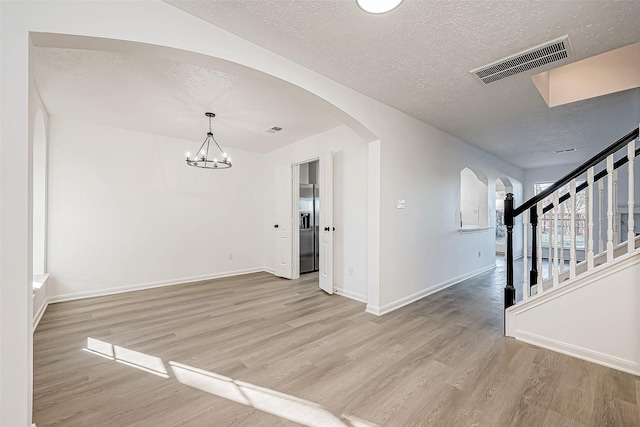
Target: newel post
533,275
509,290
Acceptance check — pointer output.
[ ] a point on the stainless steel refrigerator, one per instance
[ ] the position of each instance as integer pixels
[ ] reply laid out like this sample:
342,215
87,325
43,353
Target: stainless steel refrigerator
309,205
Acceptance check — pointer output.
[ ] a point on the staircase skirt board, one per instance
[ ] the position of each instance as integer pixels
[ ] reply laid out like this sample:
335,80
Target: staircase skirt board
607,333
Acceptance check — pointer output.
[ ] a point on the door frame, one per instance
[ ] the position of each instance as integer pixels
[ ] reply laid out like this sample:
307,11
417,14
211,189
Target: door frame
295,244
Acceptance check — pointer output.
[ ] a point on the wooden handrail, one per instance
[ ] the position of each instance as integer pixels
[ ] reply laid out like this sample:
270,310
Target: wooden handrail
596,178
577,172
510,212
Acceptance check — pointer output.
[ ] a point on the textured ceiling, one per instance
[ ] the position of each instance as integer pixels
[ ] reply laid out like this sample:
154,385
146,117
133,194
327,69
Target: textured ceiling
417,59
139,91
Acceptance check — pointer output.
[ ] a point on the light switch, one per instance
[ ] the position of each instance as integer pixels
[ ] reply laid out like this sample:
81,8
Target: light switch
400,204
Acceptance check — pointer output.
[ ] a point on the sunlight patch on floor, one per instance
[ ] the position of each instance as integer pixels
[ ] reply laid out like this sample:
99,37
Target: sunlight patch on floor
264,399
135,359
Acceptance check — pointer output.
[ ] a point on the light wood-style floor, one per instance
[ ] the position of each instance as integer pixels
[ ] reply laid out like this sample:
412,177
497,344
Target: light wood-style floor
256,350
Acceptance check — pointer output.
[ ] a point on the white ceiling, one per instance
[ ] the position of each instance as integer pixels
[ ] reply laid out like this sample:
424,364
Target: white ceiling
416,59
138,87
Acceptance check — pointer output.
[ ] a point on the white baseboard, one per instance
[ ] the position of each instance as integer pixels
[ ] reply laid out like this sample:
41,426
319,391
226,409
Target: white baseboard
150,285
38,315
373,309
628,366
268,270
387,308
352,295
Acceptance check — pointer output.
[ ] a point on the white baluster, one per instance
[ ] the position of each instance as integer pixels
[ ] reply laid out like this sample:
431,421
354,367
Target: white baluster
616,238
589,196
549,223
525,282
556,211
631,155
572,231
600,216
539,243
561,213
610,208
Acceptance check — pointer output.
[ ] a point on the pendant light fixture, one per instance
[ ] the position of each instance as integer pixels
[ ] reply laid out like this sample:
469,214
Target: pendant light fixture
378,6
206,160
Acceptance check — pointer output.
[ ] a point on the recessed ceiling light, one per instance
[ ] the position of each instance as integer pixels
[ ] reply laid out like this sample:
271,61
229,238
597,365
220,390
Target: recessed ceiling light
378,6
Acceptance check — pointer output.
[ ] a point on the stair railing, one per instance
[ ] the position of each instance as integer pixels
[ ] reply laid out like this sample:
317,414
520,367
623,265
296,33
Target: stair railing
548,209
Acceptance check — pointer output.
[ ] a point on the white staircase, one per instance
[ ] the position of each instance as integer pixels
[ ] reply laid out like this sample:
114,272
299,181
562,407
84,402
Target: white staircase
590,308
581,267
595,317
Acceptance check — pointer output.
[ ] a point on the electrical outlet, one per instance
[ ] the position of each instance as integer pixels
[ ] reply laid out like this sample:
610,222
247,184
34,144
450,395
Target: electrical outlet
479,254
350,271
230,257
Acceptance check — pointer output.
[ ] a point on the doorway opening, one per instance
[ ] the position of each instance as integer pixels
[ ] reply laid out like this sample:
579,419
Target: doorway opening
309,217
289,221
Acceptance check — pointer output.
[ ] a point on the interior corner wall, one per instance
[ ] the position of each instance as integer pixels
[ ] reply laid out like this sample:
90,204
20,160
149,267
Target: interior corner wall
40,160
126,212
39,202
349,203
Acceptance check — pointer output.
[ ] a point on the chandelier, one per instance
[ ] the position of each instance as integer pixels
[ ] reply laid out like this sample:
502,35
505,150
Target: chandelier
203,159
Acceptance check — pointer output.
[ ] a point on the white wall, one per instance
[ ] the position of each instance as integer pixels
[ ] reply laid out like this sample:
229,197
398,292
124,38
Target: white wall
349,203
594,318
126,211
16,246
421,248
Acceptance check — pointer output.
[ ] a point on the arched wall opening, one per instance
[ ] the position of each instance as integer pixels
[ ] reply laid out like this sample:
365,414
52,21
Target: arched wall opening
138,22
76,139
474,206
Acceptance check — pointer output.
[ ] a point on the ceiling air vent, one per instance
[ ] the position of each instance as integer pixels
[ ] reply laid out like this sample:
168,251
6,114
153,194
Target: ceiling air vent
544,54
273,129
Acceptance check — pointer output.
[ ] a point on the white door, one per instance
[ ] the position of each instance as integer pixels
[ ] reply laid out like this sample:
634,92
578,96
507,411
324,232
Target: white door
283,229
326,222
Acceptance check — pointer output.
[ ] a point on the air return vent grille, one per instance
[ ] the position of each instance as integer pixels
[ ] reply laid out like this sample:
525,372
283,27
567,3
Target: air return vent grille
538,56
273,129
